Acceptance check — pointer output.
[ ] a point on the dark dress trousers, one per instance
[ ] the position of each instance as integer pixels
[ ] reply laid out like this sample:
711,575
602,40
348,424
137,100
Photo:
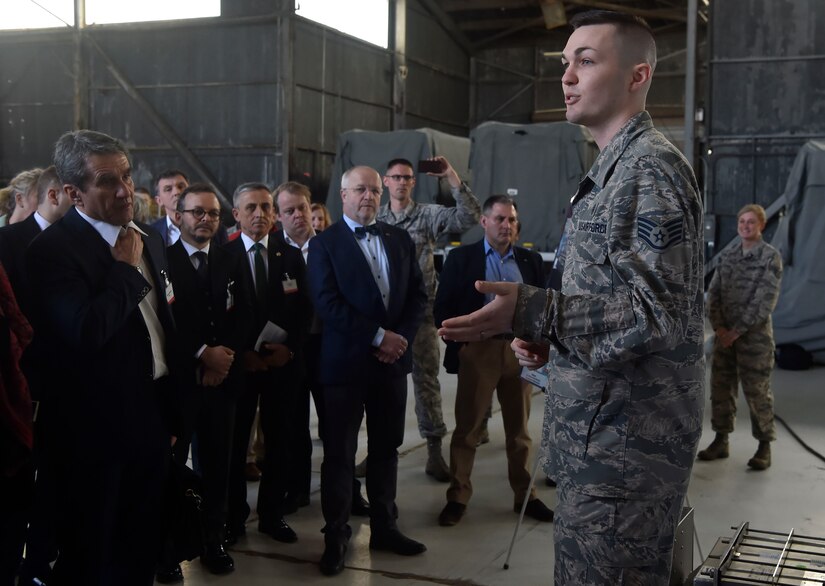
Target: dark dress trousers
277,388
349,304
109,436
216,311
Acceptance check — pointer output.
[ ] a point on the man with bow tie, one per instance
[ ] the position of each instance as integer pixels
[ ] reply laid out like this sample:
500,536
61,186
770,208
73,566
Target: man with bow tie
368,291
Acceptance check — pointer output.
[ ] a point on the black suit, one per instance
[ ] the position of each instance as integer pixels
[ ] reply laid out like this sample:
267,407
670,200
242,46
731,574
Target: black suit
278,388
457,294
14,240
217,312
350,306
110,435
40,549
299,467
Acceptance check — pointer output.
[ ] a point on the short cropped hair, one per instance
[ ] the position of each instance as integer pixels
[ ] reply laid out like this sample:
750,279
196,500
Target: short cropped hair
633,30
194,188
72,150
494,199
168,174
395,162
757,209
294,188
250,186
48,179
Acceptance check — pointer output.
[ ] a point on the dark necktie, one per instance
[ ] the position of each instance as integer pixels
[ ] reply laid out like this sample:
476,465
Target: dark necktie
260,273
203,268
361,232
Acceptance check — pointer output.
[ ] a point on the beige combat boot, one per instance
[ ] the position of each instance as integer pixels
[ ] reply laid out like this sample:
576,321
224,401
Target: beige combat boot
436,466
718,448
762,458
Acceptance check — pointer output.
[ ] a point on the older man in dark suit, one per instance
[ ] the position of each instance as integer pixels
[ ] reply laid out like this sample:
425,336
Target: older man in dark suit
274,371
101,303
368,291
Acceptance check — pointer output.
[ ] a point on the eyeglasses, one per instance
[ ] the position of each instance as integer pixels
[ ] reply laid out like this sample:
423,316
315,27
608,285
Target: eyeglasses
199,213
360,190
400,178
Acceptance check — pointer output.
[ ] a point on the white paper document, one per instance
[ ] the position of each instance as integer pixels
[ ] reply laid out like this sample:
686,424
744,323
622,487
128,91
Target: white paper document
272,333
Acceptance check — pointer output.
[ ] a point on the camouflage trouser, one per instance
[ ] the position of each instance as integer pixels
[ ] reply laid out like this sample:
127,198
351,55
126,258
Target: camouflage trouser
426,388
749,361
601,541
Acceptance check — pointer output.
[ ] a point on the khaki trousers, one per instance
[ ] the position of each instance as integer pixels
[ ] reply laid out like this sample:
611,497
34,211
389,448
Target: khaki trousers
486,366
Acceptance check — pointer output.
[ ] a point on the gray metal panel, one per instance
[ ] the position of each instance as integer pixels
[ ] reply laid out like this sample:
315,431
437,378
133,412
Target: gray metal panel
35,101
766,98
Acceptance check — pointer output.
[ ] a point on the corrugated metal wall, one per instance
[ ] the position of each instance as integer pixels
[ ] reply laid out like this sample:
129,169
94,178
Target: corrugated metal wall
766,98
255,95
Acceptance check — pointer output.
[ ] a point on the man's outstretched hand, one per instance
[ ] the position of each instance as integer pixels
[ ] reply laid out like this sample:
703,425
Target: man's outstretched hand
494,318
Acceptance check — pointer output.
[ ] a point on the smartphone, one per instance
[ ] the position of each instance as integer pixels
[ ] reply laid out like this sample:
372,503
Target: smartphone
430,166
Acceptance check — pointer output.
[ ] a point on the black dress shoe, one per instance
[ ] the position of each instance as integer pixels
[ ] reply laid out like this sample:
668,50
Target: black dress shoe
360,506
536,510
451,514
395,541
168,574
216,560
231,533
279,531
332,562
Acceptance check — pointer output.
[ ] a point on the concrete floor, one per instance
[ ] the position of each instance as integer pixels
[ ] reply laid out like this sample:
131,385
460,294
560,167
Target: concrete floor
723,493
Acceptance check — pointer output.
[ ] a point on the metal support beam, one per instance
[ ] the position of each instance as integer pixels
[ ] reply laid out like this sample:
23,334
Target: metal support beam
81,75
530,23
163,127
448,24
286,96
399,58
690,81
678,16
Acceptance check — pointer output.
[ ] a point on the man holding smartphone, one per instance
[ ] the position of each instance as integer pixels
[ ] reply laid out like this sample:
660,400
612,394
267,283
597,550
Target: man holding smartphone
426,222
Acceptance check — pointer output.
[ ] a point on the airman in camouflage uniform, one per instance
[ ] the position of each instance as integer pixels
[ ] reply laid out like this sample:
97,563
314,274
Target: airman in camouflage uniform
624,335
741,298
425,224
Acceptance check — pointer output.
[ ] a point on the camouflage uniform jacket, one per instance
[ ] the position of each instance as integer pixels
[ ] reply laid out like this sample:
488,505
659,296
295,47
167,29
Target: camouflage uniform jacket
626,384
425,222
745,288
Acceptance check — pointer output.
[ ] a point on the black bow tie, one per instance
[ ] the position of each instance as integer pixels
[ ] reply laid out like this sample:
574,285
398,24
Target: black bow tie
361,232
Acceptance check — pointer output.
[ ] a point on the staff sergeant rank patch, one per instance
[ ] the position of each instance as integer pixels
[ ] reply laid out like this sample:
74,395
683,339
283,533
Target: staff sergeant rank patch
660,237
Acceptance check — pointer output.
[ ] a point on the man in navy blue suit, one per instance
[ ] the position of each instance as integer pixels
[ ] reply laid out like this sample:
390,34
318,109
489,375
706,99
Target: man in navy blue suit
368,291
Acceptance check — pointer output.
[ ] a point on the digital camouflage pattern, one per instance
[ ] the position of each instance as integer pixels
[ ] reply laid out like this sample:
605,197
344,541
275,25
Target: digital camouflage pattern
625,397
426,362
742,295
425,223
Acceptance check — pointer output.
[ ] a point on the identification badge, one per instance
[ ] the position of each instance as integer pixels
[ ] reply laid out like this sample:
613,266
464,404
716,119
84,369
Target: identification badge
170,292
230,296
290,285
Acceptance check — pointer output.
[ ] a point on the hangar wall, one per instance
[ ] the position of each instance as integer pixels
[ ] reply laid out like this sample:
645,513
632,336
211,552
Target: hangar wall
256,94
